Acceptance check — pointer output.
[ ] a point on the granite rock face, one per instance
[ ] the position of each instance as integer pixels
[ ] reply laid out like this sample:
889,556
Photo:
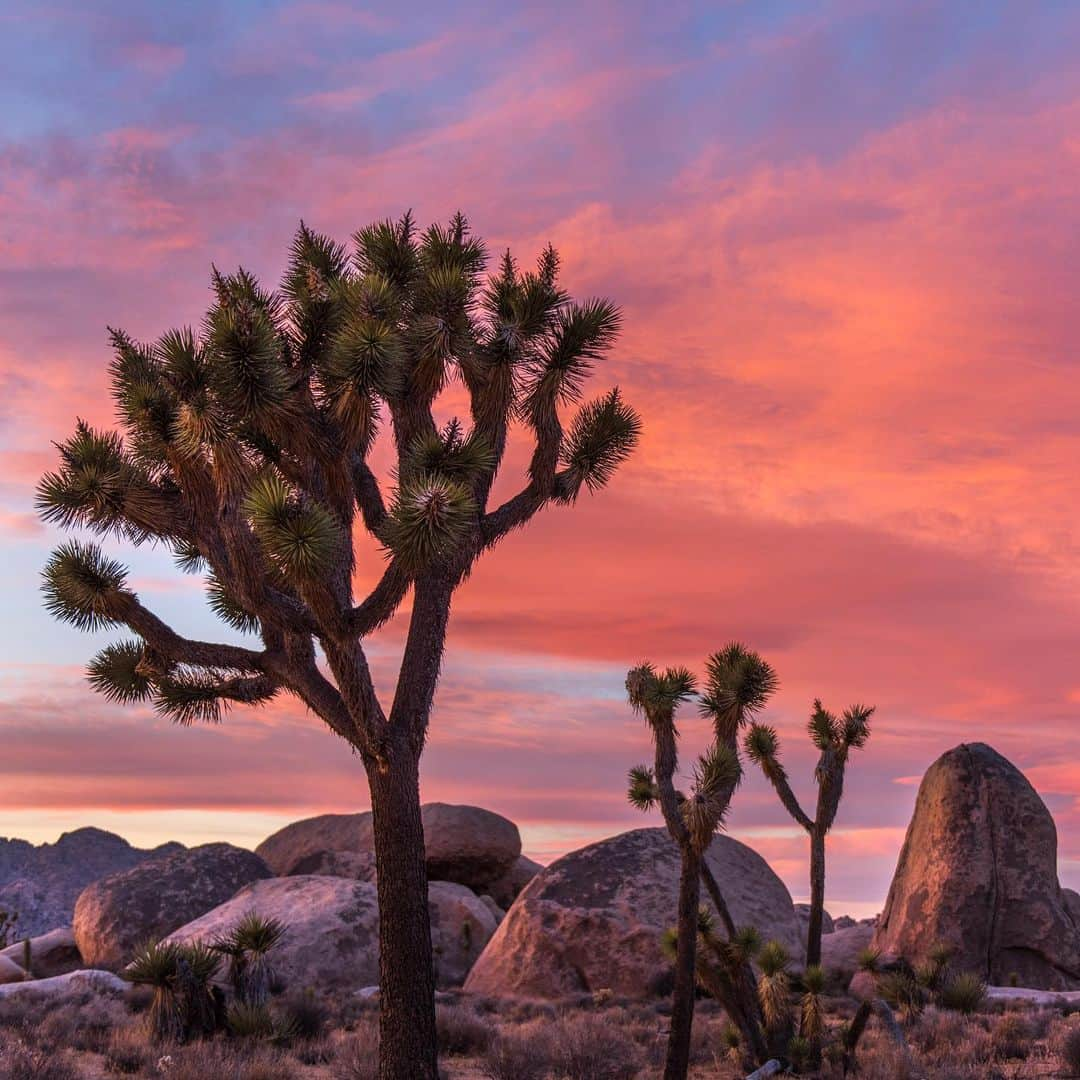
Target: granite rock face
593,919
42,882
117,914
331,940
978,871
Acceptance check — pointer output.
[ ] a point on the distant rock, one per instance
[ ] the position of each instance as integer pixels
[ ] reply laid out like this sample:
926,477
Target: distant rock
506,889
593,919
464,844
842,922
840,949
117,914
978,871
54,953
802,911
43,882
331,943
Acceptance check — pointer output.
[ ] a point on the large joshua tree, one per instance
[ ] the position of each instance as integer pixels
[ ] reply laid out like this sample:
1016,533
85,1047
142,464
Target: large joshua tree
835,738
246,449
739,683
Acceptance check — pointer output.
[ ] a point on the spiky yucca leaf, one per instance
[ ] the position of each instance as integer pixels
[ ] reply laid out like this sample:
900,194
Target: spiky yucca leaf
738,684
451,453
716,775
154,964
431,514
115,673
301,539
855,725
83,586
388,248
658,693
762,744
363,364
773,958
868,959
247,1021
602,436
822,727
256,933
579,336
227,609
188,558
746,944
774,995
669,942
642,791
189,697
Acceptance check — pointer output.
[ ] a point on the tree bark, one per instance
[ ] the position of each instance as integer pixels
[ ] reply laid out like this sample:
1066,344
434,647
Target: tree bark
408,1044
677,1063
817,896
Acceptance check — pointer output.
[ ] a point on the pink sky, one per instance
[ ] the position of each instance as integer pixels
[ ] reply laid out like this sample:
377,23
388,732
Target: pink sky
846,246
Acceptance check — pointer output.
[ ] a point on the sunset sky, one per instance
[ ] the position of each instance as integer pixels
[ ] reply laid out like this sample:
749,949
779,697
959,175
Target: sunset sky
846,239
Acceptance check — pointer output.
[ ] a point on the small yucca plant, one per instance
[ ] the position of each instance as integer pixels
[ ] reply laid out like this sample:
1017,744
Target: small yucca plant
963,993
180,976
774,988
868,959
247,946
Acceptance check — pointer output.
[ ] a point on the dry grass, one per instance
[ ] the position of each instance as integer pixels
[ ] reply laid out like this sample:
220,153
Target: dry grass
92,1038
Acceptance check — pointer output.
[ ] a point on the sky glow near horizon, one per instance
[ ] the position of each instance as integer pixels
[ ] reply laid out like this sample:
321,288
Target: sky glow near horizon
846,239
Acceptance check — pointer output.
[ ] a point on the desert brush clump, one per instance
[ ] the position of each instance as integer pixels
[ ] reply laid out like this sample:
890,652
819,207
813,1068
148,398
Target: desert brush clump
738,683
835,737
245,447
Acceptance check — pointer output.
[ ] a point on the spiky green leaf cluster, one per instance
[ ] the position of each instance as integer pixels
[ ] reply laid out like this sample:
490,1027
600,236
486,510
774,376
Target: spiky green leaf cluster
83,586
118,673
430,516
602,436
253,933
657,693
739,683
298,535
642,791
716,775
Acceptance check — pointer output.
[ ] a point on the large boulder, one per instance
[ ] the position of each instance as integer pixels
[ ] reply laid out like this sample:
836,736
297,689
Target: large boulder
54,953
116,915
593,919
43,882
81,986
331,941
978,871
466,844
840,949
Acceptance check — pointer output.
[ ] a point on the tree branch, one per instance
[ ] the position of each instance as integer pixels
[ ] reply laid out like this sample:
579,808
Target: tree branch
181,650
382,602
369,497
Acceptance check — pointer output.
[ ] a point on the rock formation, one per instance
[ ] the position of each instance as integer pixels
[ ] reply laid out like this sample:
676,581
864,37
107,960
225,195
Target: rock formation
593,919
120,912
978,871
54,953
43,882
464,844
331,943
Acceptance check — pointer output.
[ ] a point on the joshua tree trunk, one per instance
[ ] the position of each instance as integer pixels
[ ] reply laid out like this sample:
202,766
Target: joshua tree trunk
817,896
682,1011
406,977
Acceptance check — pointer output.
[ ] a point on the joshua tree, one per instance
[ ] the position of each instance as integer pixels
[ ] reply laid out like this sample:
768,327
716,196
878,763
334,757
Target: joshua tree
834,738
183,1005
247,450
738,683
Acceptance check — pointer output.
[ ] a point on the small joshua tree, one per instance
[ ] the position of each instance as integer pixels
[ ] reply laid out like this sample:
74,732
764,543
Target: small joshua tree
183,1005
247,946
835,738
246,449
738,683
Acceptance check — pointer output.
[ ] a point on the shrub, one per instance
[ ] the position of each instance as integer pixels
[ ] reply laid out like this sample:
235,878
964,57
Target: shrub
521,1054
902,990
1067,1047
461,1030
127,1053
250,1021
588,1048
964,993
303,1014
1011,1037
21,1062
358,1057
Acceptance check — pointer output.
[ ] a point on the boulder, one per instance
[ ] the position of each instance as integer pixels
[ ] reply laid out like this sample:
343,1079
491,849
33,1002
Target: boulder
54,953
358,865
842,922
74,983
10,972
978,871
593,919
840,949
506,889
331,942
1071,899
43,882
116,915
802,912
465,844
